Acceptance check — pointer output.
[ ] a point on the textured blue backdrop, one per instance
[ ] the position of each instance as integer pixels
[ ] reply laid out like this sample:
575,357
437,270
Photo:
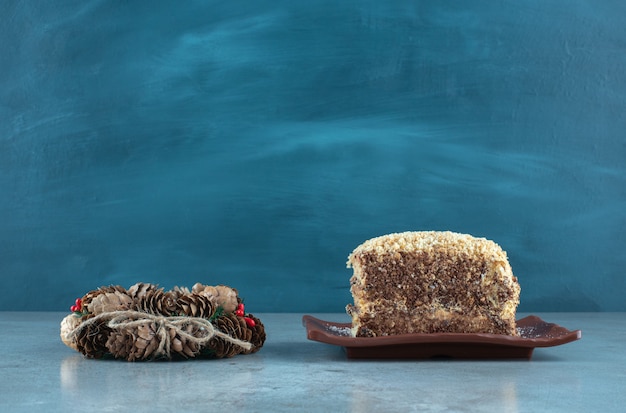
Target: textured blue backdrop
257,143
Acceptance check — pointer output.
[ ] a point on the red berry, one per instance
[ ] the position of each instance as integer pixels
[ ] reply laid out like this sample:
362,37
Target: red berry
250,322
79,302
73,309
240,306
239,312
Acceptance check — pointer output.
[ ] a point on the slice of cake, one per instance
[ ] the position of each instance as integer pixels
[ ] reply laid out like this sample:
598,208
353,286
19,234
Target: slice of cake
431,282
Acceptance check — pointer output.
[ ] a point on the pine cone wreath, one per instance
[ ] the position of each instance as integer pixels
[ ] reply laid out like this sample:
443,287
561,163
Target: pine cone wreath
146,322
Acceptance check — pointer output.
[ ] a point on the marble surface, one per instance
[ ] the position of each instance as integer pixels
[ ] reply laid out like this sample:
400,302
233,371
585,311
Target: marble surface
291,373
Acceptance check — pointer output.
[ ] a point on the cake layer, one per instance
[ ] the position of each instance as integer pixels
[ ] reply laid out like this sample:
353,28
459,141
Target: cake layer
427,282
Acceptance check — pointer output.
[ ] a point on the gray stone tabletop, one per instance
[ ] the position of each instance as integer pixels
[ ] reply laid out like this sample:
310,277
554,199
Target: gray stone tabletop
291,373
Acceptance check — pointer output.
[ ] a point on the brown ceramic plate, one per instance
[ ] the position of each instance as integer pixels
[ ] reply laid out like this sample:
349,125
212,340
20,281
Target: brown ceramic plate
534,332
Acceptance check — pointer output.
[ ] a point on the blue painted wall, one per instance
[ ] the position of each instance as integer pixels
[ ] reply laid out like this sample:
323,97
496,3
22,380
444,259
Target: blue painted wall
257,143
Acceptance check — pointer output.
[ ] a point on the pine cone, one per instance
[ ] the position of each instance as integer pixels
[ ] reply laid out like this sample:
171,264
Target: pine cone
222,295
233,326
109,301
168,304
158,302
89,297
258,335
91,338
182,345
138,291
120,344
194,305
68,324
134,343
181,290
243,332
146,341
145,297
147,301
